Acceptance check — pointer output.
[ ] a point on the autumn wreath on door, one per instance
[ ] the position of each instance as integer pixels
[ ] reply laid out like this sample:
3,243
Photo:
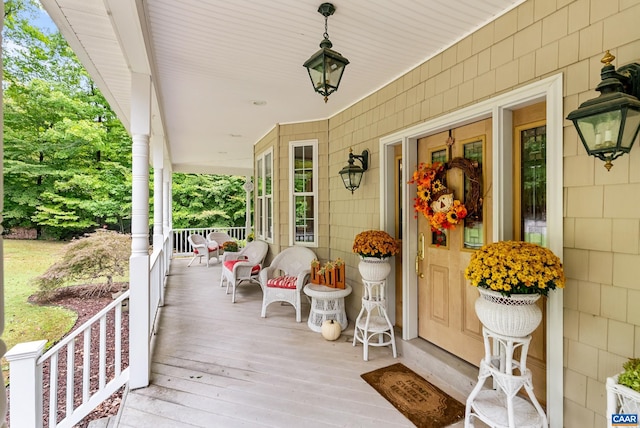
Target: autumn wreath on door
437,202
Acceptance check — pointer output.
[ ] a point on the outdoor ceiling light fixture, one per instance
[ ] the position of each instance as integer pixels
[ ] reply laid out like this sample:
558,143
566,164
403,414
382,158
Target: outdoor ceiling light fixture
326,66
352,174
608,125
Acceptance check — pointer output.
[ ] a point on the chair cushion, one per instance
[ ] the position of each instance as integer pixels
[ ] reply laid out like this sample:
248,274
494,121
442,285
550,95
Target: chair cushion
283,282
211,248
229,264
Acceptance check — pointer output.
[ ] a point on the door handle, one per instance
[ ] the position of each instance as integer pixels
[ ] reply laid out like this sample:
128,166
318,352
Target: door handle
420,255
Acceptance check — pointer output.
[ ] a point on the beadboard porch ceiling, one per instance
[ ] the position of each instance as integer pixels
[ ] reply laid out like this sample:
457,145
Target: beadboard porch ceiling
224,73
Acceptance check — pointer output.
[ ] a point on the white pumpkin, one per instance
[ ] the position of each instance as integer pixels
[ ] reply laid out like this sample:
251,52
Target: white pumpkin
331,329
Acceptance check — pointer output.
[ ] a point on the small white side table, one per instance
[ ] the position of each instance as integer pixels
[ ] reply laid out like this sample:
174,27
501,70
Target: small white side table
373,326
326,304
503,406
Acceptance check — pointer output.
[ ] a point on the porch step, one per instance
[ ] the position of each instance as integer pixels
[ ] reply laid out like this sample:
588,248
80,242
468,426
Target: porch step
448,372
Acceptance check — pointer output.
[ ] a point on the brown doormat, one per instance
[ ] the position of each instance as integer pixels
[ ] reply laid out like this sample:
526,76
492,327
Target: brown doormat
424,404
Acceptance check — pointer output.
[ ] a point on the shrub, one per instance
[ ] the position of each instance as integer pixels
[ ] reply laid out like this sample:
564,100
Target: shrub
630,377
102,254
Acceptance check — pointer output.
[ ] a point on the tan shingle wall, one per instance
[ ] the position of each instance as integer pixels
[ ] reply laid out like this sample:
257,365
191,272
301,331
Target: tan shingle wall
267,142
602,209
298,132
279,138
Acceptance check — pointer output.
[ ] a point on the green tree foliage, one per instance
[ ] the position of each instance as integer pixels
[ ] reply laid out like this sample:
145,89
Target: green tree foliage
67,157
102,254
203,200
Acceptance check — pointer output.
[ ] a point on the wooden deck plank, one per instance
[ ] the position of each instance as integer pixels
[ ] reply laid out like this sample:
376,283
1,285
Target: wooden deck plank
286,393
284,361
219,364
267,409
149,411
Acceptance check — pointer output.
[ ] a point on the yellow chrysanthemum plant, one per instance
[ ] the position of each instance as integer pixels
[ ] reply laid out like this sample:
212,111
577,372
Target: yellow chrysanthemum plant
515,267
375,243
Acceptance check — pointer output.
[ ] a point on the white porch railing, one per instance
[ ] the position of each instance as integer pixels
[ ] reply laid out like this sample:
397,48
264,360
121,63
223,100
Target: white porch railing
159,266
181,246
63,407
72,359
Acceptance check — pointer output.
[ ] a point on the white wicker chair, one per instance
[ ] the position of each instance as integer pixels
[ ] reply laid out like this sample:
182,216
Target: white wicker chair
201,248
284,280
219,238
243,266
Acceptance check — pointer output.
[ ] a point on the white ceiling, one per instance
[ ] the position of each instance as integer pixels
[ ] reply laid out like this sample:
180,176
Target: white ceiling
212,61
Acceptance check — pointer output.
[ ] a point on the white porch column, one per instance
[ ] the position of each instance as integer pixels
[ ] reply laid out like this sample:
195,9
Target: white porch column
166,214
158,191
248,188
139,282
166,201
3,346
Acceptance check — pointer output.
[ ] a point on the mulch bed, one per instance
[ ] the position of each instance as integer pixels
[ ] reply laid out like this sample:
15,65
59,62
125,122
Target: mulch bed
75,298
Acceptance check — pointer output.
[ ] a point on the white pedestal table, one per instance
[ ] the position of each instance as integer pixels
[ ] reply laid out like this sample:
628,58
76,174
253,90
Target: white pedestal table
326,304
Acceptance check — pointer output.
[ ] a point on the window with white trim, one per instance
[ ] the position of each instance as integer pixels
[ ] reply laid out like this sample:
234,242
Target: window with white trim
264,196
303,182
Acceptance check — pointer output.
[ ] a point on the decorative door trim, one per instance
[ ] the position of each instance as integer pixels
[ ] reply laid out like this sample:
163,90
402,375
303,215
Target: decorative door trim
500,109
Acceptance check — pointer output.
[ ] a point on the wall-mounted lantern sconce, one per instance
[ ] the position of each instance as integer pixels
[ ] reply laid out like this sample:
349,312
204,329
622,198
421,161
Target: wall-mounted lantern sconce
326,66
608,125
352,174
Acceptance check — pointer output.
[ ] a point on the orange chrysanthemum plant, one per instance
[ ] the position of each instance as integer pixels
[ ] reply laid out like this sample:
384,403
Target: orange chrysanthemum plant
434,200
375,243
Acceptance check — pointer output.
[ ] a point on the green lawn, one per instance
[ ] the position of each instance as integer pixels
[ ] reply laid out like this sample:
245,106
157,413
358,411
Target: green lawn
24,322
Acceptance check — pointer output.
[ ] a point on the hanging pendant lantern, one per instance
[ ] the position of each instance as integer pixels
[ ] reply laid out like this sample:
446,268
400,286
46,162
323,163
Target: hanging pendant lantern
326,66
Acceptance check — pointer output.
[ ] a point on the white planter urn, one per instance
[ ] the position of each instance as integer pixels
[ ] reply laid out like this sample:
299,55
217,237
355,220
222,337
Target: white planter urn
516,316
620,400
374,269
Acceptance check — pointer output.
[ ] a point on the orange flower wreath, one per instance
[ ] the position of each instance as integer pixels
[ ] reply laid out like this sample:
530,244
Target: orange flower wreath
434,200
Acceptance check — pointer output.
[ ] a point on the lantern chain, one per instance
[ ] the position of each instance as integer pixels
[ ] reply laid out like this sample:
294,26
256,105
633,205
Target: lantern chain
326,27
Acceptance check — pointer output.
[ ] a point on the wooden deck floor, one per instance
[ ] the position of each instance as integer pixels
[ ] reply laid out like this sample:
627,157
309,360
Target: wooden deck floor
219,364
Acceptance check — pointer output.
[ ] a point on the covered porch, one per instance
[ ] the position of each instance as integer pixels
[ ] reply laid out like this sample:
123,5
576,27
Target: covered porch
215,363
159,63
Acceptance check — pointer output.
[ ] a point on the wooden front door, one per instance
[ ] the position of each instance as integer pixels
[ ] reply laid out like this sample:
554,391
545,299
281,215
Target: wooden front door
446,302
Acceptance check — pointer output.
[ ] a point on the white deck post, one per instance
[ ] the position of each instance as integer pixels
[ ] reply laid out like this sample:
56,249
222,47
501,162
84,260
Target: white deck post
169,198
139,263
248,187
158,193
157,145
166,216
166,201
26,384
3,346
